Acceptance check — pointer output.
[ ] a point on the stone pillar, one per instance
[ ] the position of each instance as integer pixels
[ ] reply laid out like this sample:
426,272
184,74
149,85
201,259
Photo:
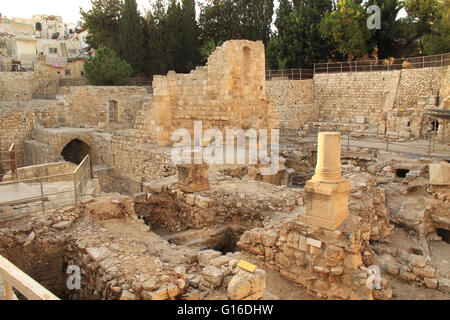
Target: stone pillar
327,192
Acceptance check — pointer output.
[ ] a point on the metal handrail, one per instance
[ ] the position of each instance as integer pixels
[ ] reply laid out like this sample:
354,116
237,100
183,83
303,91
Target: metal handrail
440,60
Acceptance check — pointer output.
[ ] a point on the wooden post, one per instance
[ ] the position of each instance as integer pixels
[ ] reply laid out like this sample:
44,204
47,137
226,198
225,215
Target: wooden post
75,190
42,197
13,162
9,293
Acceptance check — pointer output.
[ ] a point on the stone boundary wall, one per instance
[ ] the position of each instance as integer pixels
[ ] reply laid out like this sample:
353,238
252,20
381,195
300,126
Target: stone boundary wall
295,101
384,101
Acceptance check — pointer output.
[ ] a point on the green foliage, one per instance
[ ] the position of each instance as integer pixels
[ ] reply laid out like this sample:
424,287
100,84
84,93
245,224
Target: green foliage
299,43
438,41
283,12
102,20
384,38
130,44
189,55
222,20
207,49
422,13
107,69
346,28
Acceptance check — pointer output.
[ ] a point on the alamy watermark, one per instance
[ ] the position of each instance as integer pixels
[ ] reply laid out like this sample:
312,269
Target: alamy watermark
234,146
373,278
74,280
374,21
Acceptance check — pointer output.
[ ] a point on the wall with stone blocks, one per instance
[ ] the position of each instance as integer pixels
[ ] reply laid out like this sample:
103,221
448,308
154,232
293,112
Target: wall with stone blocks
385,101
89,105
17,120
295,101
230,92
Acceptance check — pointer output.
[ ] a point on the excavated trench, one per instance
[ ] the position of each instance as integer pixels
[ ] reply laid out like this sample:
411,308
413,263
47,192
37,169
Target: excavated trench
45,263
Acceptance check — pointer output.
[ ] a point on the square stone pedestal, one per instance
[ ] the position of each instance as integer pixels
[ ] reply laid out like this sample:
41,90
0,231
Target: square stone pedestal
193,177
327,203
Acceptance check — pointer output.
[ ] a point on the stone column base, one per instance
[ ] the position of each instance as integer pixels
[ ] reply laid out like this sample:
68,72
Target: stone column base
193,177
327,203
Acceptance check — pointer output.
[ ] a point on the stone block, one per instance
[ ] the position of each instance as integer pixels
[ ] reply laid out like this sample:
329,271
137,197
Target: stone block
193,177
213,275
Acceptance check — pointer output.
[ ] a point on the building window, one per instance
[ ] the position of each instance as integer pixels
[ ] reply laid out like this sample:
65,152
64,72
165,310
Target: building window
53,50
82,73
113,112
67,72
72,51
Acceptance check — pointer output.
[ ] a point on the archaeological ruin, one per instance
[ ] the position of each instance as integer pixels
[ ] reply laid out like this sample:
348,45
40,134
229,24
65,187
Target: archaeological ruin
89,185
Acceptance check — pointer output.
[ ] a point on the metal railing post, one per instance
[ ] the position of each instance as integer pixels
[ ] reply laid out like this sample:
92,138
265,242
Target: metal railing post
442,60
341,66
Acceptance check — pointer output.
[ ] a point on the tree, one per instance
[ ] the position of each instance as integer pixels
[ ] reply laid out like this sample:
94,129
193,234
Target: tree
384,38
219,21
299,43
222,20
155,39
283,12
422,13
102,21
438,41
130,44
173,37
106,68
190,56
346,28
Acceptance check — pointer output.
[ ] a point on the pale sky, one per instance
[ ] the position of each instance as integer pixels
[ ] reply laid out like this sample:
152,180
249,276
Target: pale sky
68,9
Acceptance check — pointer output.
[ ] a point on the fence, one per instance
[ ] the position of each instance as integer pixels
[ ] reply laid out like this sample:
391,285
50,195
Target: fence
15,278
289,74
440,60
11,160
140,82
428,146
79,176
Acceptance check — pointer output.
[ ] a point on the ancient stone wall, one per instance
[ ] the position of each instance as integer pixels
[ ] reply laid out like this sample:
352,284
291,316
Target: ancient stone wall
390,102
295,101
17,120
230,92
17,86
89,105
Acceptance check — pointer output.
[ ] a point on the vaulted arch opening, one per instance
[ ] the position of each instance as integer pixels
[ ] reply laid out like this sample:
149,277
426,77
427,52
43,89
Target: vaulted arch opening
75,151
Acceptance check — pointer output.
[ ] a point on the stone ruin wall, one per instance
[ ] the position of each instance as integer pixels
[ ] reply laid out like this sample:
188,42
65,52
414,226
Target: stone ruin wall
295,102
382,101
230,92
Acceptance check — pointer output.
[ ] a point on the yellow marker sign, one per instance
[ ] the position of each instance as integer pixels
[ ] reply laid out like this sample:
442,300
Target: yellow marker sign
247,266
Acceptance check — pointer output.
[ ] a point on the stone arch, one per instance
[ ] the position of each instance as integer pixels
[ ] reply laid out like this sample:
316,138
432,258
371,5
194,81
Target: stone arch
75,151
